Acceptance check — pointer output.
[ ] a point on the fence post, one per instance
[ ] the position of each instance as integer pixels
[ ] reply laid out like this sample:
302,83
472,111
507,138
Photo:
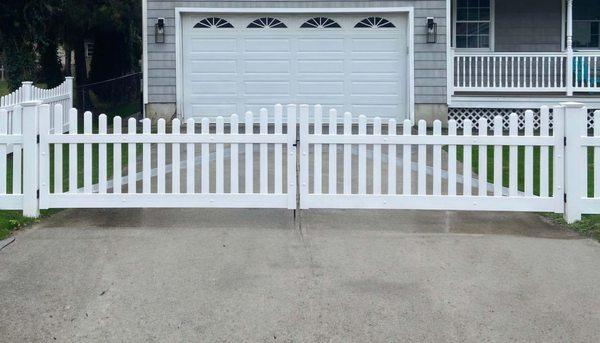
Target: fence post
30,131
44,155
69,81
575,122
27,87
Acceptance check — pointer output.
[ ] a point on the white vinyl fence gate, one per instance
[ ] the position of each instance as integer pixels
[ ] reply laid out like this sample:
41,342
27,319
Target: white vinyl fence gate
251,164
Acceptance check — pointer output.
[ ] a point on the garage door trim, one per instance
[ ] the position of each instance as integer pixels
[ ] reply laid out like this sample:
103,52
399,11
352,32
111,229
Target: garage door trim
179,12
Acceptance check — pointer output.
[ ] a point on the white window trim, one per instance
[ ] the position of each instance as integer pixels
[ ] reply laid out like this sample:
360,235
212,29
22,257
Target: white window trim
410,11
492,28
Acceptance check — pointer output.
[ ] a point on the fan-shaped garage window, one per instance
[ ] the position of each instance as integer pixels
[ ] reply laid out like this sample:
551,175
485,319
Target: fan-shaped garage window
374,23
267,23
213,23
320,23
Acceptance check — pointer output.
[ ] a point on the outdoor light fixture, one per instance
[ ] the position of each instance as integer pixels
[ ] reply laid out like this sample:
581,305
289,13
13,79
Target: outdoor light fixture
159,31
431,30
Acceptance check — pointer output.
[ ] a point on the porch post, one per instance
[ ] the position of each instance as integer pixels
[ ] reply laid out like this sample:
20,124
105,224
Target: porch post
569,77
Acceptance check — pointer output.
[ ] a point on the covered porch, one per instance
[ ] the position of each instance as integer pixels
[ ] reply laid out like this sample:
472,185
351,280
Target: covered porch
523,51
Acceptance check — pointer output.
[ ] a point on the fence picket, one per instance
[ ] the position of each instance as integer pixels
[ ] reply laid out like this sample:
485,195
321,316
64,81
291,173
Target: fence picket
482,177
18,152
117,149
278,150
544,168
362,156
452,159
498,158
528,154
467,160
249,154
513,155
132,158
73,152
264,152
205,158
318,152
234,163
58,150
191,159
146,158
332,165
3,149
347,154
160,159
176,158
437,160
422,160
377,158
220,162
102,177
392,158
406,159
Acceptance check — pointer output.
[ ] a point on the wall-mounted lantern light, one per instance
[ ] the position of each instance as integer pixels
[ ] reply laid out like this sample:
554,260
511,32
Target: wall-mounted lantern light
431,30
159,31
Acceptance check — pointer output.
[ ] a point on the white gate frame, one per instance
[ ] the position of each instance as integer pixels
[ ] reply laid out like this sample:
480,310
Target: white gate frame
281,197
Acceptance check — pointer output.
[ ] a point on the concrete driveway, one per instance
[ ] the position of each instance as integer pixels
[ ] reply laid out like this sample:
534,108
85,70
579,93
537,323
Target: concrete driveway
251,275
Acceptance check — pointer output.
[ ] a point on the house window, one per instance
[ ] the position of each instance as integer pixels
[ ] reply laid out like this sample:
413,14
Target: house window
266,23
586,24
320,23
213,23
473,21
374,23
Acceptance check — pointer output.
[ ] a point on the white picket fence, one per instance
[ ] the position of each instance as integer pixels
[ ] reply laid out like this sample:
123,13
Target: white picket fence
340,167
61,94
211,188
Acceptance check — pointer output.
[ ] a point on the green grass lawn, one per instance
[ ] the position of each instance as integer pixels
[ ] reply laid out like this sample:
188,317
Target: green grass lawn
3,88
588,226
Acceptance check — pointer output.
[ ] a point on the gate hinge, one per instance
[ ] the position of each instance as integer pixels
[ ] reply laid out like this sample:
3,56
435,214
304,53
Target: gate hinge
38,193
565,141
565,197
38,139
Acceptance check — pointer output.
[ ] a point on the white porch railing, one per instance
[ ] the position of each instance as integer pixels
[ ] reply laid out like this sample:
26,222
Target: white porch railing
560,72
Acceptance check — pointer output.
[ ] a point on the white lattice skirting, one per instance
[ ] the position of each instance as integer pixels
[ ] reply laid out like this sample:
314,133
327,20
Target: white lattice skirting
460,114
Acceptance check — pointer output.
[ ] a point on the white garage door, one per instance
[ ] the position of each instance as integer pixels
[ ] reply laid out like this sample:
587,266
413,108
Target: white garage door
239,62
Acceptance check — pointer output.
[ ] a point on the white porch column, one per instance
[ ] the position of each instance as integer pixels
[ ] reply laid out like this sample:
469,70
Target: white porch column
569,77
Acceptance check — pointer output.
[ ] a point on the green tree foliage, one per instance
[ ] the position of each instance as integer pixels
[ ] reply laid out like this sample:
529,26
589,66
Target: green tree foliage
31,31
23,26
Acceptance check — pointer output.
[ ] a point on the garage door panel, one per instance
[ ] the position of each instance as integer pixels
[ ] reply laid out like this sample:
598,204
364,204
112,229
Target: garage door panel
321,45
213,66
381,66
373,87
376,44
234,70
321,88
271,87
267,45
267,66
320,66
213,45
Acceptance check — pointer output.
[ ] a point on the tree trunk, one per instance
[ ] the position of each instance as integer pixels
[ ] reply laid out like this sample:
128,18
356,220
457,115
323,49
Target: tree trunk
81,77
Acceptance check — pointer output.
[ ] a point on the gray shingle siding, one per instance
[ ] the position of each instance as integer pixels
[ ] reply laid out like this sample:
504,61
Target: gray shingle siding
430,59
